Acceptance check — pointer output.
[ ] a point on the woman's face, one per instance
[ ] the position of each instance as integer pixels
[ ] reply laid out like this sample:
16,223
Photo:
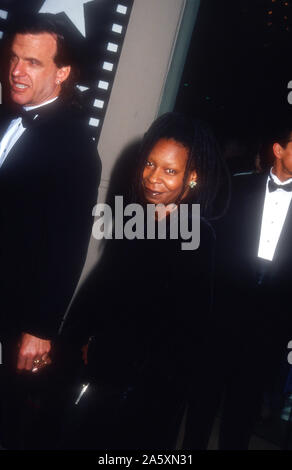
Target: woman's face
164,172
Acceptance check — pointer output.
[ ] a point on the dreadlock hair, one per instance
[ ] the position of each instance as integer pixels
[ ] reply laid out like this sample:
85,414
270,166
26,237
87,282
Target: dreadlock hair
204,156
48,23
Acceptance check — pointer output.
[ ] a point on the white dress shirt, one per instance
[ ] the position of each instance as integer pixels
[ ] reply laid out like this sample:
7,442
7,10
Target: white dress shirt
14,131
274,215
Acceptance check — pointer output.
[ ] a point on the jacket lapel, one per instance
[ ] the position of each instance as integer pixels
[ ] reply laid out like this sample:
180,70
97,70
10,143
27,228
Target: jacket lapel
4,123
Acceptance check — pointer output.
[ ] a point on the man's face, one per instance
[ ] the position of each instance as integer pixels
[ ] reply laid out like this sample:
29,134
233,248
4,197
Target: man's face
163,175
33,75
283,161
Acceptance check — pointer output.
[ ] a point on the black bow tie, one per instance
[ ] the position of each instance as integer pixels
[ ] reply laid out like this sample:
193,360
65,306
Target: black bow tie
274,186
28,117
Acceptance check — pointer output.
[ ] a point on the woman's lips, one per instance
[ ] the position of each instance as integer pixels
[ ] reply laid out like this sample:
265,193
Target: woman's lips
150,192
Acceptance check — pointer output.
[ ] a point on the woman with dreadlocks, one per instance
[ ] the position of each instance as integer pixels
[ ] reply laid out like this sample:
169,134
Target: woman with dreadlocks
148,301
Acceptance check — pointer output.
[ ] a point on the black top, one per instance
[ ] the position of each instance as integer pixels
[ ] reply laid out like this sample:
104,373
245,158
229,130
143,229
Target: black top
147,303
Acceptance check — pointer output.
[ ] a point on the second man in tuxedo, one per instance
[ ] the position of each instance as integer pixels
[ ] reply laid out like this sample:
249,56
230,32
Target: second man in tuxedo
252,323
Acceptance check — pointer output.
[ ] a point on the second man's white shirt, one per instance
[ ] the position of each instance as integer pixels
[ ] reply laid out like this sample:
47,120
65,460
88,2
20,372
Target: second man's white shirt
274,215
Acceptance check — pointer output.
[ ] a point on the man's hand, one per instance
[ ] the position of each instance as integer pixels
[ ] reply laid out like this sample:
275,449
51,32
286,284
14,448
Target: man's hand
31,350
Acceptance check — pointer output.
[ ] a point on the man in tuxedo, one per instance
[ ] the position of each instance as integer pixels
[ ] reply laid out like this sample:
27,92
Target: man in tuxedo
49,177
252,323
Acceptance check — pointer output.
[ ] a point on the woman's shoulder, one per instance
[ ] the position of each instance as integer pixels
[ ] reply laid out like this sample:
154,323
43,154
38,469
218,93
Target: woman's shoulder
198,239
207,233
207,227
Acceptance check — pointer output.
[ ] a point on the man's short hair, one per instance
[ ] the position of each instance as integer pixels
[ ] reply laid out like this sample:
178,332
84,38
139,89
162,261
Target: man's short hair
49,23
278,129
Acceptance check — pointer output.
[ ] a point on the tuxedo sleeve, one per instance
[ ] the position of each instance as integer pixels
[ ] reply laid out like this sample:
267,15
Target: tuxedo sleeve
64,228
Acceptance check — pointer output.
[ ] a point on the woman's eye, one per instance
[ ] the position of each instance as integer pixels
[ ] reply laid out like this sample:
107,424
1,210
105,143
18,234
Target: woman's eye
148,164
170,171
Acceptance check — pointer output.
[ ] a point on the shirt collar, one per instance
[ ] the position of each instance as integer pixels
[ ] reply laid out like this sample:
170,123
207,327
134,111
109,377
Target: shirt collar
29,108
276,179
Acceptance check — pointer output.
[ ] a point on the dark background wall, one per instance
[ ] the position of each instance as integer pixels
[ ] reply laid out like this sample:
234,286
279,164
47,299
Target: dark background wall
239,65
91,50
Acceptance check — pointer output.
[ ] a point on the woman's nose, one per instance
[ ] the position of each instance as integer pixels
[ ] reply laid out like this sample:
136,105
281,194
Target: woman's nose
154,175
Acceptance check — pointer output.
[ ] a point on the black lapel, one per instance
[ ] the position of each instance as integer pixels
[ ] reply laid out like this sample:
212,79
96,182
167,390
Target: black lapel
4,124
46,114
7,113
15,153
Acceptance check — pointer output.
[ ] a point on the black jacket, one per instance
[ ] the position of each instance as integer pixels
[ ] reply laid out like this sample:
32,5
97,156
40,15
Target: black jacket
48,187
246,309
147,304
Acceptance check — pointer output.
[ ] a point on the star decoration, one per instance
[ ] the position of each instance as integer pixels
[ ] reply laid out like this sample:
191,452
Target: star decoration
74,9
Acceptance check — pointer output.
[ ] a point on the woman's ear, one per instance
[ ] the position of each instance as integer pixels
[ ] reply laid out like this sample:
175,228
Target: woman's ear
192,178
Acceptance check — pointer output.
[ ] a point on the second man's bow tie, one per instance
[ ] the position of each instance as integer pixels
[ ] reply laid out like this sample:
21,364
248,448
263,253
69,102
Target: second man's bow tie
274,186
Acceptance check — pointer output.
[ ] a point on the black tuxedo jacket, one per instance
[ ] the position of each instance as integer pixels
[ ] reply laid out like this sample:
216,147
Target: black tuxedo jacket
48,187
246,309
